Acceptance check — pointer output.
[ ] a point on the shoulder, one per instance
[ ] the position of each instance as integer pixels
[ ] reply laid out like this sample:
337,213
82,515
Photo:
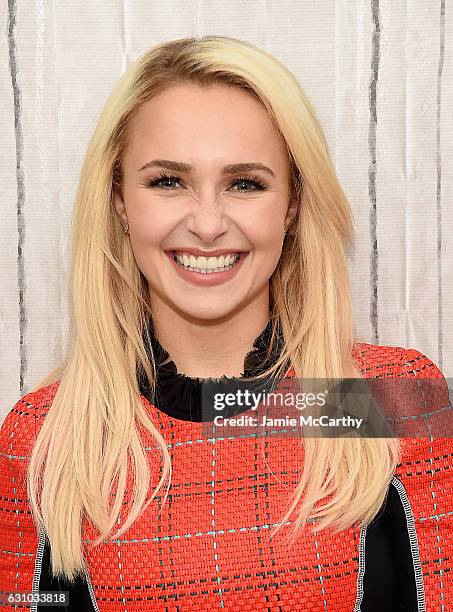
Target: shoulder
426,463
18,532
378,360
23,421
386,360
19,430
422,394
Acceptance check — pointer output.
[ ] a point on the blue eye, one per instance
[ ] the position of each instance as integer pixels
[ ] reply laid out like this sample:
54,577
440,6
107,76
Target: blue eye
162,177
255,181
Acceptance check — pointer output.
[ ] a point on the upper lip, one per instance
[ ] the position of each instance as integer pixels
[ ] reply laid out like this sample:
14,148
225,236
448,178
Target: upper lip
200,253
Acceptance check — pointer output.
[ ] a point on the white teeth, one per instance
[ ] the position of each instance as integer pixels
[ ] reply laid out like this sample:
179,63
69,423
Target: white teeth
207,264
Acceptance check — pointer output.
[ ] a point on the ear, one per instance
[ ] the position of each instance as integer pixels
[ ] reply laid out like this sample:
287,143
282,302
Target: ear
291,212
118,202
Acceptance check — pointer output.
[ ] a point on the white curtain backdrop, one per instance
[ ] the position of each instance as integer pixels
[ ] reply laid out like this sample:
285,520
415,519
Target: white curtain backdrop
380,75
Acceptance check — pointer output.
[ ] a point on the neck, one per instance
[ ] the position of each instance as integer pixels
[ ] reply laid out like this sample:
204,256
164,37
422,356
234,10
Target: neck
209,349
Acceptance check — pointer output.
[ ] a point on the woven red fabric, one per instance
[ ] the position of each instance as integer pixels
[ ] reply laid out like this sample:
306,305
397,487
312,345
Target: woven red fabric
210,545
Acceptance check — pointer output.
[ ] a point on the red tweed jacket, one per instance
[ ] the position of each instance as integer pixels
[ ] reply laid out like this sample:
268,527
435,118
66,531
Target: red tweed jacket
210,546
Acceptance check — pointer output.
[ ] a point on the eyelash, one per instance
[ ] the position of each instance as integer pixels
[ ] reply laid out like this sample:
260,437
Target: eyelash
241,179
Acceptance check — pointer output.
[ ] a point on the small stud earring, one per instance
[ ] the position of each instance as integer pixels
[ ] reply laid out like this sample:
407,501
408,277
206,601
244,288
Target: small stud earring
126,228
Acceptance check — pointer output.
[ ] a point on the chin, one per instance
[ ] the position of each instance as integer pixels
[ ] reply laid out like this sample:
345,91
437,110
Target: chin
207,312
212,315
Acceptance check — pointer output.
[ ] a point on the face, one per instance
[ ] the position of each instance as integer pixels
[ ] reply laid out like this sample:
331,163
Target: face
206,233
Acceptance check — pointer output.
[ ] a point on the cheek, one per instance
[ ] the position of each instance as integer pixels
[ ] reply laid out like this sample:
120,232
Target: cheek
267,243
266,227
149,213
150,223
146,239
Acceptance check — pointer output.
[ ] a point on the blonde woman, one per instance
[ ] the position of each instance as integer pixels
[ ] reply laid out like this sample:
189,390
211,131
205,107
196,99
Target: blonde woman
208,242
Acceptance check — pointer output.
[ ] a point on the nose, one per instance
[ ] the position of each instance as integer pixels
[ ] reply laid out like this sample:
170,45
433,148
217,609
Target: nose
207,219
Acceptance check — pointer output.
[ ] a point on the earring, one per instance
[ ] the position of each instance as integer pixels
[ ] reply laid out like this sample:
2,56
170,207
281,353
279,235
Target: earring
126,228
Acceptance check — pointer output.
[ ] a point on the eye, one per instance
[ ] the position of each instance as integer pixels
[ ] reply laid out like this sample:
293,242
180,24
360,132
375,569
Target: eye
160,179
163,181
254,180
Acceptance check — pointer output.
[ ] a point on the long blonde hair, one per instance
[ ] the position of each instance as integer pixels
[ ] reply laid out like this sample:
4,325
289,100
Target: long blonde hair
90,432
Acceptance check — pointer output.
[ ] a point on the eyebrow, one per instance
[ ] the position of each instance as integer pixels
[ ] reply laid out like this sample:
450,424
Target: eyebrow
228,169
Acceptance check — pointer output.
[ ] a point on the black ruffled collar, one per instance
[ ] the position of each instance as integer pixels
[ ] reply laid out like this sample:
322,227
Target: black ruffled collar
178,395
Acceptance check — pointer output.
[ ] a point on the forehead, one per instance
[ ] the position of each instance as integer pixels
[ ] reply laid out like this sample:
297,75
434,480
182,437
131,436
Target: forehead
215,121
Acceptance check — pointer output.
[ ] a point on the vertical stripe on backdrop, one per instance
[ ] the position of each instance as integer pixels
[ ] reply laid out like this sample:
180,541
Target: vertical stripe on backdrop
11,25
375,53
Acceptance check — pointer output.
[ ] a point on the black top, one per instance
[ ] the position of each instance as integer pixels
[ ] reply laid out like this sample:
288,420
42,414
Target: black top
179,395
389,579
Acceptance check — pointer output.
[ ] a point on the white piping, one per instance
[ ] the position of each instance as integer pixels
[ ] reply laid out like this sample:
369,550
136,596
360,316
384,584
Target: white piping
37,575
415,551
38,567
90,588
361,571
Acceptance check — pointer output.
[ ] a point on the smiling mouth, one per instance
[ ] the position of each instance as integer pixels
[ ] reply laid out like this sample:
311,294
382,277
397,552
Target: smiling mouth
207,265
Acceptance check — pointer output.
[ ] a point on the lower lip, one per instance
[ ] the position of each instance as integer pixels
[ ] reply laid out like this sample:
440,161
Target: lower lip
203,278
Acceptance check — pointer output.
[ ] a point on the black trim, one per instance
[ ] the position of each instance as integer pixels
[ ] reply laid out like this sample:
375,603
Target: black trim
79,593
389,580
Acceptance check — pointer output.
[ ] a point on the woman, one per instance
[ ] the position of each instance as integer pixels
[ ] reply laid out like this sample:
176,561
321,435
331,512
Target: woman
209,243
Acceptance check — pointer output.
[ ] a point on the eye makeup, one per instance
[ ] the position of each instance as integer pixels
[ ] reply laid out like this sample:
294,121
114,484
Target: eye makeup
252,180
